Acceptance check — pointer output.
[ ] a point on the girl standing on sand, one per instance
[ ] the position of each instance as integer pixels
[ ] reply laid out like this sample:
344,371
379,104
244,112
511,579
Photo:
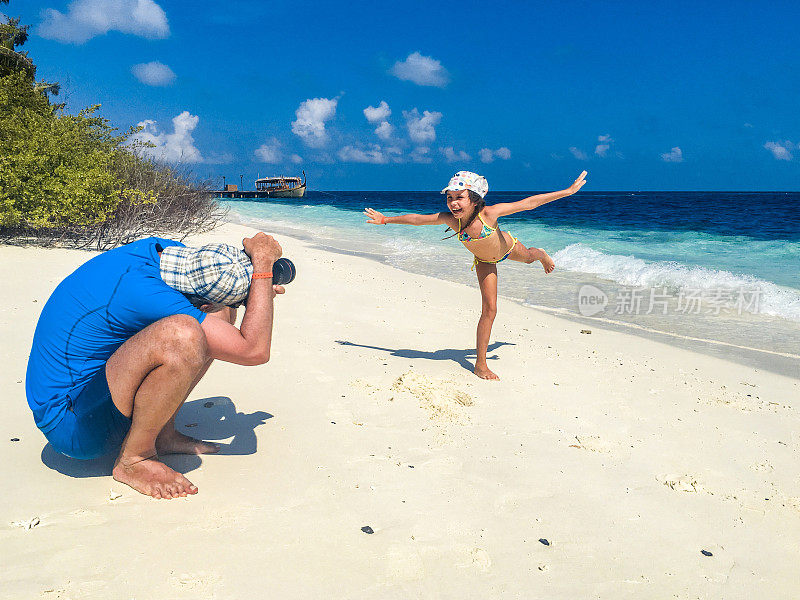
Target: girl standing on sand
475,224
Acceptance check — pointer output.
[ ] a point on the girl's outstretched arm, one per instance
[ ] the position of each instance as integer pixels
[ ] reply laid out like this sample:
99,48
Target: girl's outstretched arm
531,202
377,218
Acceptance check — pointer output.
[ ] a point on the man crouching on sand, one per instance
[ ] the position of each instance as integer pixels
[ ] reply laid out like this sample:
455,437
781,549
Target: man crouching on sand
125,338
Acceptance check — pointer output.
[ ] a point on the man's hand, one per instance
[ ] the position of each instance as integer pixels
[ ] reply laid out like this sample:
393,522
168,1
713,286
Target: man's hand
578,184
263,251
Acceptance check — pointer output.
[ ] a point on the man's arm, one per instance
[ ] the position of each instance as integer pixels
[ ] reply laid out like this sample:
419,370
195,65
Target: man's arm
251,343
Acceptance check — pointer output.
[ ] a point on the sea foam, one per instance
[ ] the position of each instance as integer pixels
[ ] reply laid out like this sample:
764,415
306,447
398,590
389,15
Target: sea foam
630,271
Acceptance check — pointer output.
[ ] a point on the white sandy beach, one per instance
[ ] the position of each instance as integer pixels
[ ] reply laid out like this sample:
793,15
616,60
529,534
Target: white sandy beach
628,457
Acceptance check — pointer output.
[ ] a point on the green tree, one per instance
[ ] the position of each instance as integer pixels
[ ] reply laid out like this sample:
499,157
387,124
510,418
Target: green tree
73,177
55,170
12,34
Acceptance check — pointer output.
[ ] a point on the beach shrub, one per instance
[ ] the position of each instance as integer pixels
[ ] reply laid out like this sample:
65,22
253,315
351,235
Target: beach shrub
74,178
55,169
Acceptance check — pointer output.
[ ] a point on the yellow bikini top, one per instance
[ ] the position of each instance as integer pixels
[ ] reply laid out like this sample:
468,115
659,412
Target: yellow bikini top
486,231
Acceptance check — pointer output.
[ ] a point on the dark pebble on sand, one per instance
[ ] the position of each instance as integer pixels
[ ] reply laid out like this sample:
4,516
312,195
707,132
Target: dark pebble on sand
706,553
208,404
14,439
367,529
544,541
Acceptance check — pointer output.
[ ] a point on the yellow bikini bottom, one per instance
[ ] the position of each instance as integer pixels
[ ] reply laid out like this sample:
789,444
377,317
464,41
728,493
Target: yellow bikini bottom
494,262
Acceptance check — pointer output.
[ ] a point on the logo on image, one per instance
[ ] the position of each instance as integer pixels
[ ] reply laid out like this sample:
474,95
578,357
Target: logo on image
591,300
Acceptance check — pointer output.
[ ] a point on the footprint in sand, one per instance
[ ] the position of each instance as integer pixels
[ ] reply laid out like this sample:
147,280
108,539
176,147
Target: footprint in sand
26,524
481,560
793,502
404,565
201,583
443,465
681,483
594,443
80,589
763,466
443,399
366,386
743,401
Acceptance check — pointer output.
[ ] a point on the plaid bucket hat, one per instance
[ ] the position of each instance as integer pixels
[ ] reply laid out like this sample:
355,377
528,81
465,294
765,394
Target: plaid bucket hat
217,273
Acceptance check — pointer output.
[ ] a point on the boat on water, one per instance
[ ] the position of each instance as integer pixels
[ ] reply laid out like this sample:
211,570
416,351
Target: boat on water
282,187
269,187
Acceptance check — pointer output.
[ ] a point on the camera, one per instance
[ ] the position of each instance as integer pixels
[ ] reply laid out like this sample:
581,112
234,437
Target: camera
283,271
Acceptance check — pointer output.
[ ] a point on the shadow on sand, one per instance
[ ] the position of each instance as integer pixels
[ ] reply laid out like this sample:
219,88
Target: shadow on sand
213,419
459,356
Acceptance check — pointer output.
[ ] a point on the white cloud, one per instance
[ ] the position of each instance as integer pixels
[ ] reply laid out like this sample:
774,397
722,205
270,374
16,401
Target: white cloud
219,158
421,129
372,155
605,143
420,154
422,70
296,159
384,130
177,146
674,155
86,19
312,114
379,114
452,156
270,152
376,114
153,73
488,155
503,153
578,153
780,150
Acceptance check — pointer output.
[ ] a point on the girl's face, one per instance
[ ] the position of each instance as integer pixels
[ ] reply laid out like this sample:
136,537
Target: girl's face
459,203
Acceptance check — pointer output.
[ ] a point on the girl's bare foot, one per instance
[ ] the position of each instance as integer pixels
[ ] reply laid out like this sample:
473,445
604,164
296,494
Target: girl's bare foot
151,477
174,442
543,257
484,372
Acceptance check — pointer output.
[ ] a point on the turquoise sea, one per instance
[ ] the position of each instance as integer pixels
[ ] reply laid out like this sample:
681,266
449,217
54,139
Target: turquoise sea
716,271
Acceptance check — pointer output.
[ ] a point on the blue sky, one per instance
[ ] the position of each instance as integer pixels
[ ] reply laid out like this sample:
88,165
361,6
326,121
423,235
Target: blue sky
644,95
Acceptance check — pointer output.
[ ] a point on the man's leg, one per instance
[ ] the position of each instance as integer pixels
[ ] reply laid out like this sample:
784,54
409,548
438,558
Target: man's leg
170,440
150,376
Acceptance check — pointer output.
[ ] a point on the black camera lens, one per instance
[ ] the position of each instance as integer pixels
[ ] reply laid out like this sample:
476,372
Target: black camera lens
283,271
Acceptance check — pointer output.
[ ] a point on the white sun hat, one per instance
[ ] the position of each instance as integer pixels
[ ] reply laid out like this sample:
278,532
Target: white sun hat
467,180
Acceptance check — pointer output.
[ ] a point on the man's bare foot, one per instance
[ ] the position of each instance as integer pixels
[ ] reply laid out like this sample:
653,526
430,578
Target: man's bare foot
151,477
485,373
170,441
